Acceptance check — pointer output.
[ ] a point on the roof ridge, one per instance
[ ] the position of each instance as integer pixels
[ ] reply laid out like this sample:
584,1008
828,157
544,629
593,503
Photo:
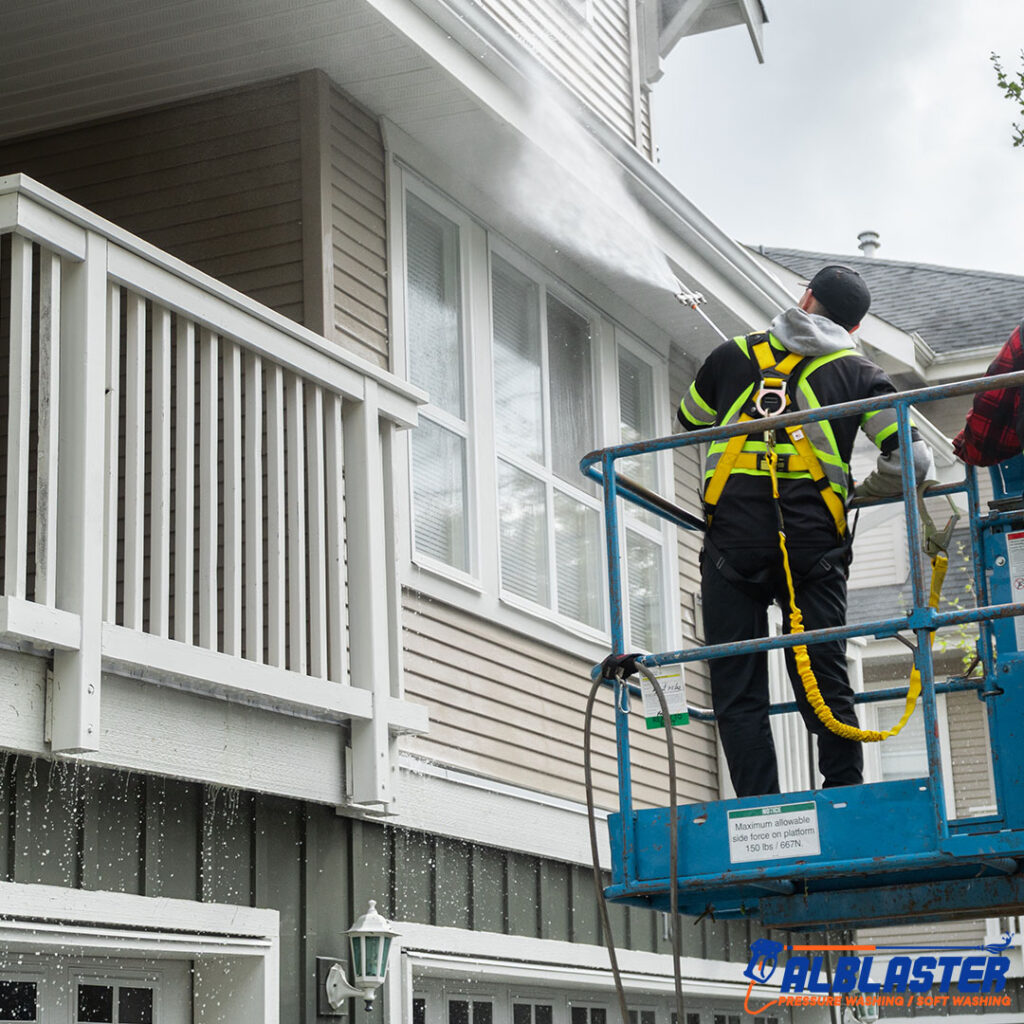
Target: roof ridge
875,260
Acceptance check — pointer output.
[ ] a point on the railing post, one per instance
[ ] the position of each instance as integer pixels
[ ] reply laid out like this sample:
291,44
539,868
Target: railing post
80,513
369,665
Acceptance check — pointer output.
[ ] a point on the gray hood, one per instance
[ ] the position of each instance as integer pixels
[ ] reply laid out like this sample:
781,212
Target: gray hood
807,334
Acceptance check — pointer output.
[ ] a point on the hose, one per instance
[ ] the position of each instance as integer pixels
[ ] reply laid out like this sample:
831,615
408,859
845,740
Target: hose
940,563
673,842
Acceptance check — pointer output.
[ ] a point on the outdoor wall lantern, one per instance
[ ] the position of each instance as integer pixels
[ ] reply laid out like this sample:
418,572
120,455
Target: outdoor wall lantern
370,942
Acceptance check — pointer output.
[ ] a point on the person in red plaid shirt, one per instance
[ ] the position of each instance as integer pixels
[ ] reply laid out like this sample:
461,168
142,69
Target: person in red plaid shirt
995,425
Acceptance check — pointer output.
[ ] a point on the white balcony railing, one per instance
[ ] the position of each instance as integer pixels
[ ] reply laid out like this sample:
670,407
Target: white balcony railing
196,489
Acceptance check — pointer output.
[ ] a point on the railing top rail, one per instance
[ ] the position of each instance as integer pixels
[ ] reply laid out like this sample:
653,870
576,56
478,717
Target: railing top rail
52,202
802,416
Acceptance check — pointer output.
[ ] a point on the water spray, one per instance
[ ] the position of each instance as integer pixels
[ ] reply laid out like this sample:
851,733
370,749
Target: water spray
695,300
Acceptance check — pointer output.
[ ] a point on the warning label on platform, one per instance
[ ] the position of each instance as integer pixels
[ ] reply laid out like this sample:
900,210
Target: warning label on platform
774,833
1015,556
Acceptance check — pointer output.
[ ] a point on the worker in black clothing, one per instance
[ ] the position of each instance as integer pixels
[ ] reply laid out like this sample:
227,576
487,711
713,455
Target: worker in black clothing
806,359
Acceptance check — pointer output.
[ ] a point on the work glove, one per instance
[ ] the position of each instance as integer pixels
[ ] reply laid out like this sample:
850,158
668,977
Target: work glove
886,480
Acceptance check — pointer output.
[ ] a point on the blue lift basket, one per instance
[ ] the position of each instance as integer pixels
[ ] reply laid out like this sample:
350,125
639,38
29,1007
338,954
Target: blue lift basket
888,852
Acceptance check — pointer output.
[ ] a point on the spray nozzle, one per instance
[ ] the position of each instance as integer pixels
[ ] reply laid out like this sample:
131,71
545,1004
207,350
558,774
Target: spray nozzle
688,297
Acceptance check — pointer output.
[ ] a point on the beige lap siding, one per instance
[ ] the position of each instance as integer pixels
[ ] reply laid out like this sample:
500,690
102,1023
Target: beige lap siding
359,300
510,708
214,181
592,57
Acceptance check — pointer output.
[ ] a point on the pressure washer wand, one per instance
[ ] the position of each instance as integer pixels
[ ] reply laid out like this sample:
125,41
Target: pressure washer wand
694,300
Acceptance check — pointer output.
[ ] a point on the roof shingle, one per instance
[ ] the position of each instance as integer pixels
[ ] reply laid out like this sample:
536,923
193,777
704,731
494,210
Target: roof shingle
953,310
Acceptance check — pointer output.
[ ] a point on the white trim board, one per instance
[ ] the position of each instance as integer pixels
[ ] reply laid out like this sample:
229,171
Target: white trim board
443,801
440,952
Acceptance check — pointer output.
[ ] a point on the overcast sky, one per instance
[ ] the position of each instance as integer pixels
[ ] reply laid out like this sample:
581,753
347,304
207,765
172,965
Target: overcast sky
867,114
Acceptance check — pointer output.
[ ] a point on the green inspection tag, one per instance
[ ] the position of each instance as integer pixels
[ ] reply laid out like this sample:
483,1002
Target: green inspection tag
671,680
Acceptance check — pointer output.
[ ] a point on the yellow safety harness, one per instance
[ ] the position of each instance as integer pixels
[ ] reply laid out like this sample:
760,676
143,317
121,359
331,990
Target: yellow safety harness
770,400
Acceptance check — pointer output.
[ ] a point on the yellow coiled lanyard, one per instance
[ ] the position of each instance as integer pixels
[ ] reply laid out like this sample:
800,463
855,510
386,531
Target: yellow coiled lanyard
940,563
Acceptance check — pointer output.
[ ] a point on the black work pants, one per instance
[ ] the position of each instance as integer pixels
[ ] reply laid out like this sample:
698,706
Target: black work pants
736,597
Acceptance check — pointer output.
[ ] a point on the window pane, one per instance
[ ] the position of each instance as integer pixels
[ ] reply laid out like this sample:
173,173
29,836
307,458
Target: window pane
96,1004
578,561
135,1005
598,1016
517,377
579,1015
439,494
419,1011
637,423
572,392
646,599
524,535
521,1014
17,1000
543,1013
483,1013
435,347
458,1012
904,756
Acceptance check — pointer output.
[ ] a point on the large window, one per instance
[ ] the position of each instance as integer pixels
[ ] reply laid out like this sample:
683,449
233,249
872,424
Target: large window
544,421
436,363
524,378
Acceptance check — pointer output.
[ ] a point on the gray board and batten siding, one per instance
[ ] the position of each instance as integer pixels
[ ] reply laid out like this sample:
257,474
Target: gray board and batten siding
76,826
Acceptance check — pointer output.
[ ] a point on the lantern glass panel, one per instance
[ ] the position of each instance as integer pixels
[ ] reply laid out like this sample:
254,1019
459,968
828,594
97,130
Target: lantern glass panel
372,954
384,955
356,942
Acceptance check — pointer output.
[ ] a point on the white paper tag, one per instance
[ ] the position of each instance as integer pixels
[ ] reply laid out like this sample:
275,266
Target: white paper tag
671,680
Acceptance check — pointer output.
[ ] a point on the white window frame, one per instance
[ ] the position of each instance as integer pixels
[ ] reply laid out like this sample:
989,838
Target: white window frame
548,285
640,1009
533,1002
235,950
117,977
471,998
661,532
480,591
434,414
589,1006
35,975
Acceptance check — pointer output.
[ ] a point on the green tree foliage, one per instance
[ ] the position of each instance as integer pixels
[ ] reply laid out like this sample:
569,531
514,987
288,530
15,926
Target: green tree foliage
1012,84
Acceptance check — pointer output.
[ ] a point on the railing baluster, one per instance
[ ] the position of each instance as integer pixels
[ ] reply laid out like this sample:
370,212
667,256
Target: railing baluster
208,371
49,422
335,540
134,461
113,431
160,476
296,502
276,574
19,400
184,480
232,500
317,540
253,507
